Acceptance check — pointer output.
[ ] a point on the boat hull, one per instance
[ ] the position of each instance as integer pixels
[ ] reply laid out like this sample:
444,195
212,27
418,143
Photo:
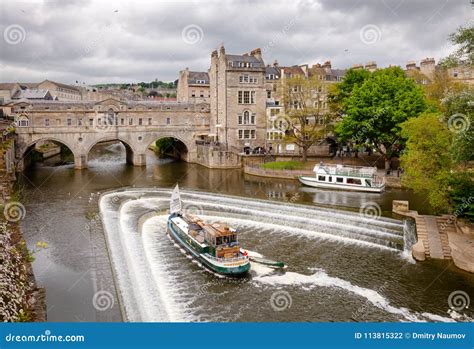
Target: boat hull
224,268
312,182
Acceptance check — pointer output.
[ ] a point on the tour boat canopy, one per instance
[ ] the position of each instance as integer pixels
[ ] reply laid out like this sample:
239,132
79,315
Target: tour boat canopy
343,170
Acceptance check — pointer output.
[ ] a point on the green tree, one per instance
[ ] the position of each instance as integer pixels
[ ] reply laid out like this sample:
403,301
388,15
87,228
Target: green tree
464,39
305,119
375,109
342,91
427,159
459,116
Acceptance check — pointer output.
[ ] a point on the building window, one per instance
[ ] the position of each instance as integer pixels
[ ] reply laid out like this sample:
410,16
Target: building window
46,122
168,121
140,121
149,121
246,97
246,118
193,93
122,121
269,94
274,111
91,122
201,94
130,121
23,121
243,79
79,122
69,122
246,134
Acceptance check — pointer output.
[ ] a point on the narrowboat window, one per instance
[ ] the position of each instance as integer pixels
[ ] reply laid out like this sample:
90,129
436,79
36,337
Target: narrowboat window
354,181
321,178
339,179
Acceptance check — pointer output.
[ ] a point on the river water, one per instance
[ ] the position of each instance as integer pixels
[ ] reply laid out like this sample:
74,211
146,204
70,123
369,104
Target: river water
108,257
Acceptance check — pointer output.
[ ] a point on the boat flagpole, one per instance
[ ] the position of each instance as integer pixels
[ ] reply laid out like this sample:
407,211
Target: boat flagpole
175,203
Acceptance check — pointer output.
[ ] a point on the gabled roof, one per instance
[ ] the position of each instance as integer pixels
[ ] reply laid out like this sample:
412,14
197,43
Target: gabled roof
59,84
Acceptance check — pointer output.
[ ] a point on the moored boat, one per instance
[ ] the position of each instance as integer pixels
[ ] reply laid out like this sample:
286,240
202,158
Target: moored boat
216,245
343,177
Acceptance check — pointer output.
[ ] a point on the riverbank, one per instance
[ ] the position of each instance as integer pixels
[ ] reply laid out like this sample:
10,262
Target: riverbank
21,300
257,169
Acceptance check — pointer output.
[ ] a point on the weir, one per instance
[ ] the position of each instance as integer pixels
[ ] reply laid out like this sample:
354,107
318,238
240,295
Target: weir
147,263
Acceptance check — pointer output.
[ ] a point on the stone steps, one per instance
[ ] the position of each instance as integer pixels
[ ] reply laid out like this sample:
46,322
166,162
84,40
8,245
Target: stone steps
433,233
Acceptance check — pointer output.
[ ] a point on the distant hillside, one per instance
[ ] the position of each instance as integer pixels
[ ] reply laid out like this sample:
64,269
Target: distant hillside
153,84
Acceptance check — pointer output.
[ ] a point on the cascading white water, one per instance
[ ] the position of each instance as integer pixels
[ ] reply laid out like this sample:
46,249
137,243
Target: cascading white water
157,283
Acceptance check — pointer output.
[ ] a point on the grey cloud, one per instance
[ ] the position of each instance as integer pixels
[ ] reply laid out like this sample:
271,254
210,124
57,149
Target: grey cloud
104,41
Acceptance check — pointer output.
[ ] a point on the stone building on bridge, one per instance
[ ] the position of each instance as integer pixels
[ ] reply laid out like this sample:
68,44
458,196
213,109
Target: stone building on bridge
80,125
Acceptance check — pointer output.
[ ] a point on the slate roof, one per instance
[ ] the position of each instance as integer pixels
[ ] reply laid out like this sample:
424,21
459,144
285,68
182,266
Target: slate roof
194,76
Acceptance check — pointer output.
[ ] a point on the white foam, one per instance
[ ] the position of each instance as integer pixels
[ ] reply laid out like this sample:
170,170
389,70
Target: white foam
321,278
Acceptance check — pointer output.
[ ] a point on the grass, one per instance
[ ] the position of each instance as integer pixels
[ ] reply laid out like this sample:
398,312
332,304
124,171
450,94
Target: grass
283,165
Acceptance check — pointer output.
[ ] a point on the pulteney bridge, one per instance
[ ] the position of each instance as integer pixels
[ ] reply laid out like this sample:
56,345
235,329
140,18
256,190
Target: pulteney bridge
80,125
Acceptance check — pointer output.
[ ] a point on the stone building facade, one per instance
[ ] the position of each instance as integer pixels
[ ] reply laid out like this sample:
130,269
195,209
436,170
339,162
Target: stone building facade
238,99
193,87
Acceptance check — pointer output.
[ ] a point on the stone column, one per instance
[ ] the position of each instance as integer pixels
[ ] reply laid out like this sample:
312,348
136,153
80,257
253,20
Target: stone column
139,159
80,161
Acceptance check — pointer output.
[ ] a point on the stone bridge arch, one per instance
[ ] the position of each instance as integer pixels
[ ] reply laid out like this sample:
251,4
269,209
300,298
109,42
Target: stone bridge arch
23,147
130,147
189,153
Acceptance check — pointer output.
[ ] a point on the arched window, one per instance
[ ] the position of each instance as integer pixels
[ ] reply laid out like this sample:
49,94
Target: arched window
110,117
23,121
246,117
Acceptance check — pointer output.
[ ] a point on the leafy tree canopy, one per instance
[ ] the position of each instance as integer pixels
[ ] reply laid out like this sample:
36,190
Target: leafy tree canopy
427,159
375,109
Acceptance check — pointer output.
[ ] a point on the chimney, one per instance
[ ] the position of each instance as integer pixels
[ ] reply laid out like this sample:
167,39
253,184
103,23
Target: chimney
257,53
427,67
411,65
327,67
371,66
222,50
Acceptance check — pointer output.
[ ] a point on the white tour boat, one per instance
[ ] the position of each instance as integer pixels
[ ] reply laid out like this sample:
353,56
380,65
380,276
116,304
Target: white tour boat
345,177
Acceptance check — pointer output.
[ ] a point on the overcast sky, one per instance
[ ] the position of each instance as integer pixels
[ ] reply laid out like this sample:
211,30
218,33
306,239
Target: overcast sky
96,41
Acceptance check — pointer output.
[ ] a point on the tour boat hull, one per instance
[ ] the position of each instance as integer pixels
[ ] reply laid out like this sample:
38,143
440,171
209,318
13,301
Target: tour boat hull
229,268
313,182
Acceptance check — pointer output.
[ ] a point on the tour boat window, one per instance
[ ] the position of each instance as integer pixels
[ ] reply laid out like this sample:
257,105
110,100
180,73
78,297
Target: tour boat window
339,179
367,183
322,178
330,178
354,181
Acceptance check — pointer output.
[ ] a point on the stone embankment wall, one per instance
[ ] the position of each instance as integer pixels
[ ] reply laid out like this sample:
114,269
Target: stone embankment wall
216,157
20,298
